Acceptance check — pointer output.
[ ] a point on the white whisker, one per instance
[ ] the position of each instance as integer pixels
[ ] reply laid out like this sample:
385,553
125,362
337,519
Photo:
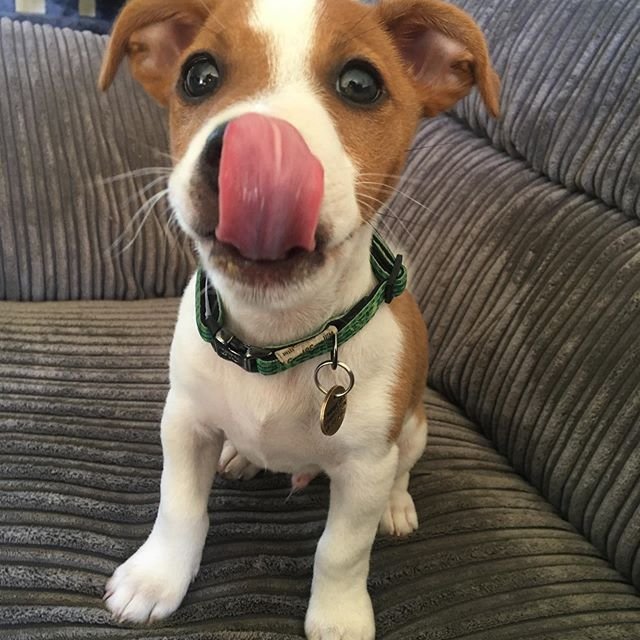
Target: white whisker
137,173
144,211
401,178
386,211
399,192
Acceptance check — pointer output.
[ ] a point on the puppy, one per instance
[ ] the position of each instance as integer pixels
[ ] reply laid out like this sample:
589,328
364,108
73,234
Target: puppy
290,123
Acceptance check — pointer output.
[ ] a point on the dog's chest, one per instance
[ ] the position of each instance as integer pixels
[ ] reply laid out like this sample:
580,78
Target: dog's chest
273,421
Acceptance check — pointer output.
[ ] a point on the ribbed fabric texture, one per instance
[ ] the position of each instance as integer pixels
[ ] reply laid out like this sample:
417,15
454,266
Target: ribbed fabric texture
529,281
68,228
570,91
524,245
531,294
80,469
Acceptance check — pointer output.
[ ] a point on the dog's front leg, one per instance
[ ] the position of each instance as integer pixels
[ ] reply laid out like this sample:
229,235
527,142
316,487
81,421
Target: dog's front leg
153,582
340,606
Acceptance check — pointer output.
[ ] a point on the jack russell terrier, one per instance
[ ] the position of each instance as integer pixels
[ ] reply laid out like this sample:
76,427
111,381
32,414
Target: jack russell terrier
295,341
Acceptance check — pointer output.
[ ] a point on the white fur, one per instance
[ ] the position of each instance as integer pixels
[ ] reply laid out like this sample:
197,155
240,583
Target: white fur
273,422
290,26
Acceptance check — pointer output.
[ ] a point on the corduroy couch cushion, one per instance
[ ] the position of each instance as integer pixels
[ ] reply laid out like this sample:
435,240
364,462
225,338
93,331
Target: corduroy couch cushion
77,167
570,92
80,473
531,287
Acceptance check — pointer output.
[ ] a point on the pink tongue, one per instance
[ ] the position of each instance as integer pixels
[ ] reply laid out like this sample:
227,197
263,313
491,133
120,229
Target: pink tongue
271,187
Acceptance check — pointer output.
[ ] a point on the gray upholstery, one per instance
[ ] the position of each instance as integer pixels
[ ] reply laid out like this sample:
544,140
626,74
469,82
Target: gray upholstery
67,212
525,257
81,469
532,299
570,92
531,287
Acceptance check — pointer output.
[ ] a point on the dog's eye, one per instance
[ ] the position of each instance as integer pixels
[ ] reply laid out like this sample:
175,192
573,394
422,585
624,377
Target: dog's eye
359,82
200,76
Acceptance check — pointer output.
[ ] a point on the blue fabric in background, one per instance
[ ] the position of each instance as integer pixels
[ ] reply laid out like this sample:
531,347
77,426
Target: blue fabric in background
92,15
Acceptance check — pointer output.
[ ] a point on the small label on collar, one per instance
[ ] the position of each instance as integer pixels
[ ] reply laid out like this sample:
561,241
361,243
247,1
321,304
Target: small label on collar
288,354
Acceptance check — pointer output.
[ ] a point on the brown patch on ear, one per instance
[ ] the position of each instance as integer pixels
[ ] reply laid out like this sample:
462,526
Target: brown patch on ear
412,368
445,51
153,34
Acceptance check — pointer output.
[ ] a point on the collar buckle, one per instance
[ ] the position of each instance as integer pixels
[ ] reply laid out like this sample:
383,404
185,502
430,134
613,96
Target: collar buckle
228,347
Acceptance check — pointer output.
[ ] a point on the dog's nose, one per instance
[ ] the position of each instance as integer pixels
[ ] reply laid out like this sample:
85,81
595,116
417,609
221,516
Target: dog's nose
212,153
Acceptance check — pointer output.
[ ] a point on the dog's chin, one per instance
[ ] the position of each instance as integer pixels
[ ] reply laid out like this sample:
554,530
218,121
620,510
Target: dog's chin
257,277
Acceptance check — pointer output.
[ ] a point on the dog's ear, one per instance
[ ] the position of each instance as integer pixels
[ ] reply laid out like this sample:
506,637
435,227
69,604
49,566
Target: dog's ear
153,34
444,50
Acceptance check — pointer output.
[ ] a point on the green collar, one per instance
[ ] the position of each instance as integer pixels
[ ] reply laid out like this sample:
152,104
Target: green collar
390,273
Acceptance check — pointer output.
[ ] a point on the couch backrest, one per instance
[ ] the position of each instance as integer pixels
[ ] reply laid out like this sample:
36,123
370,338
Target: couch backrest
570,91
526,257
68,227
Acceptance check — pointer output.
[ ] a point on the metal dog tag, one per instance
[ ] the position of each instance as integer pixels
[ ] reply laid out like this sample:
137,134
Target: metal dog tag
334,407
333,410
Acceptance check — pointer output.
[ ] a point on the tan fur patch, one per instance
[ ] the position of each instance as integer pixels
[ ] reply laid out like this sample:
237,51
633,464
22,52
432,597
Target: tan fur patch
152,33
221,29
242,54
376,138
412,368
469,63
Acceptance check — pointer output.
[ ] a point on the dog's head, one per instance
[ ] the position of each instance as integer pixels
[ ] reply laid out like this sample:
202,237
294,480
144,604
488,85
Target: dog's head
291,120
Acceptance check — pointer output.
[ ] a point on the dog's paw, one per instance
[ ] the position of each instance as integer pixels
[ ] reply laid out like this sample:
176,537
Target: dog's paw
150,585
399,517
235,466
340,617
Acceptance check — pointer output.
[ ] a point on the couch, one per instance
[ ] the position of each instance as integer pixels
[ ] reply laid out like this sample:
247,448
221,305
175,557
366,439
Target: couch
523,239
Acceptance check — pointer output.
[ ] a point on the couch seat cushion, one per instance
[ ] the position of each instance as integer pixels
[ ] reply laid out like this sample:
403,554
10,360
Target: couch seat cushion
81,393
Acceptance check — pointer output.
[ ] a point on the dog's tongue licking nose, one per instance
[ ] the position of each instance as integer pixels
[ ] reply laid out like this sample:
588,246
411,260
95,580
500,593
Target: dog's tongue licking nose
271,187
